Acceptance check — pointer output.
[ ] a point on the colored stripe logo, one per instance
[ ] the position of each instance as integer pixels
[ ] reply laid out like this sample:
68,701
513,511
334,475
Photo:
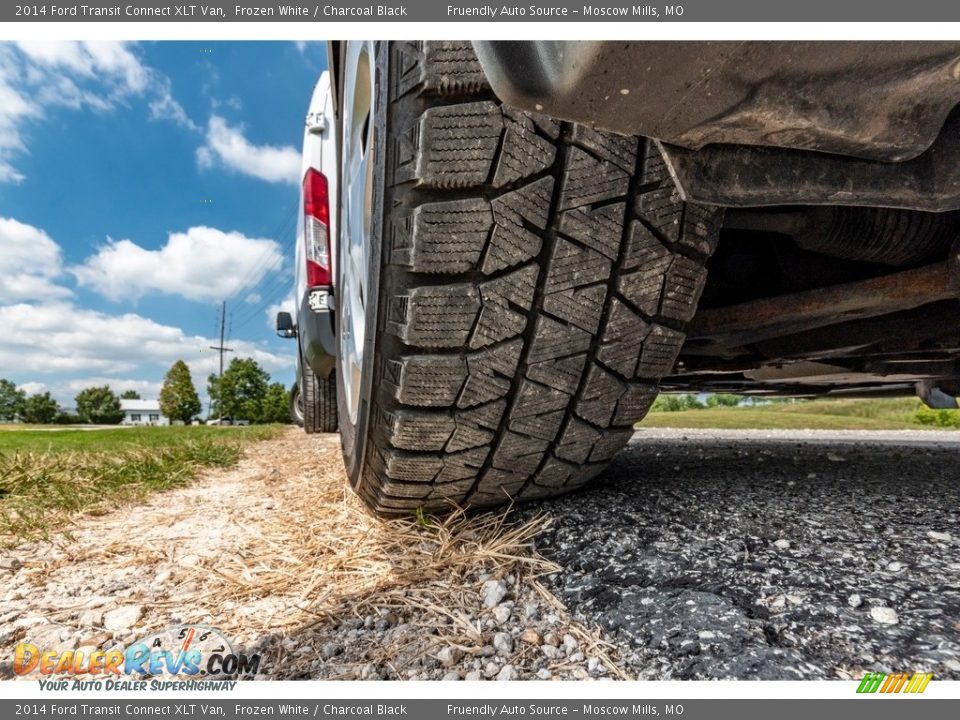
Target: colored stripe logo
894,683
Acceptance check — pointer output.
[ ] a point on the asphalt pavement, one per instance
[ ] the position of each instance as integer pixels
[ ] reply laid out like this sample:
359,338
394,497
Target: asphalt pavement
769,554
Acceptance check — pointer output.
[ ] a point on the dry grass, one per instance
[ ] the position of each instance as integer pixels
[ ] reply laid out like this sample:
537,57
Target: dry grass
329,559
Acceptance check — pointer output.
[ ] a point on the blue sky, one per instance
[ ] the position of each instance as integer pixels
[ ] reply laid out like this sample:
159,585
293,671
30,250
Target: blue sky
140,185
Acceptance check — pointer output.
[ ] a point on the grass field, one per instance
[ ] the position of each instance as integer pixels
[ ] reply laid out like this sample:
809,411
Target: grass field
885,414
47,475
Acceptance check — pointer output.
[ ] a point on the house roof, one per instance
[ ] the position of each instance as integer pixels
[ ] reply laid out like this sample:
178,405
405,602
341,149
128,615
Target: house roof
140,405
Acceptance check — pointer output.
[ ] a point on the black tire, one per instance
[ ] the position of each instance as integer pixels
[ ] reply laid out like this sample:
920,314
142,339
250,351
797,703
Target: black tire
534,281
319,401
296,406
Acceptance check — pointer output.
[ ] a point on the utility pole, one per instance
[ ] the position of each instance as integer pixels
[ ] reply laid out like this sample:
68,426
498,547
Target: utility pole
221,349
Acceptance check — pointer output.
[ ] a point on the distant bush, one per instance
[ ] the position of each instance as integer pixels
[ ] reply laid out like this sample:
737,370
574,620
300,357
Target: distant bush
723,400
68,419
676,403
937,418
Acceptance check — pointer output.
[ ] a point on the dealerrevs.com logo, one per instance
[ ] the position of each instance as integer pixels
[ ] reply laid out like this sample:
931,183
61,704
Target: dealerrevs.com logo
894,683
181,657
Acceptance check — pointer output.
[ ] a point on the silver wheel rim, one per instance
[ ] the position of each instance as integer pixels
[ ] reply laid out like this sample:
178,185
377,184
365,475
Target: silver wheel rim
356,212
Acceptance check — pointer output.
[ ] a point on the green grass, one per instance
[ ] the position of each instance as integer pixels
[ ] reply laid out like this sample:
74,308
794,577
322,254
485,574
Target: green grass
882,414
47,476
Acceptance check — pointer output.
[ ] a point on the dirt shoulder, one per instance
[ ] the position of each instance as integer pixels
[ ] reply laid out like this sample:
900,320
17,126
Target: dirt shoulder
280,555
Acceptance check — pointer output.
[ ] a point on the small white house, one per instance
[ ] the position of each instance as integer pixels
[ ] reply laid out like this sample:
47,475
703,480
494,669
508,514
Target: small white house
142,412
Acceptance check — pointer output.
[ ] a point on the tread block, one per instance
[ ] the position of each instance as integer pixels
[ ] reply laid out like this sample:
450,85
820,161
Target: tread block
444,237
662,209
519,453
659,352
582,308
538,410
643,287
511,242
554,339
634,403
413,430
563,373
577,441
490,373
505,302
524,152
444,67
573,266
621,150
426,380
435,316
620,347
600,228
610,443
475,427
457,144
497,485
554,475
643,248
589,180
599,397
682,287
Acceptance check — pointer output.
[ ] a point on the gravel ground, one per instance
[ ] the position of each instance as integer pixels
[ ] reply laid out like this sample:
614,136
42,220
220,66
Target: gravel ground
700,554
769,554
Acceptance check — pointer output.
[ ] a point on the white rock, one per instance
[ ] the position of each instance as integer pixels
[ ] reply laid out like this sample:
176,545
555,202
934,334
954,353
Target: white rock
449,656
122,618
451,676
895,566
503,642
501,613
493,592
884,615
507,672
782,544
544,674
570,643
551,652
473,676
855,601
939,536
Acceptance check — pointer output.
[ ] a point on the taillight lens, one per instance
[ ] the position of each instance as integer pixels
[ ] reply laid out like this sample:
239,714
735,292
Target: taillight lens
316,227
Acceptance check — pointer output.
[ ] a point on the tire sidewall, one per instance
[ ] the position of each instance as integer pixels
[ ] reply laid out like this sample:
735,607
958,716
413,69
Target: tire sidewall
354,436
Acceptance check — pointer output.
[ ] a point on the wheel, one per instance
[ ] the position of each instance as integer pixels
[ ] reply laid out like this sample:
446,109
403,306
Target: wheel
296,405
318,398
510,288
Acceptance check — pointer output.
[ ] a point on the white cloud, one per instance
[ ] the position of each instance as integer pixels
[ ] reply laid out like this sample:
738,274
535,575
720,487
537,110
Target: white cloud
147,388
32,388
203,264
166,107
227,146
30,263
38,75
60,338
285,305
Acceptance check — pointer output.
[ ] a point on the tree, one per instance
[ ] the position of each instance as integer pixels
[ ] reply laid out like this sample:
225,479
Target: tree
130,395
40,408
723,400
178,396
276,405
239,394
12,400
99,405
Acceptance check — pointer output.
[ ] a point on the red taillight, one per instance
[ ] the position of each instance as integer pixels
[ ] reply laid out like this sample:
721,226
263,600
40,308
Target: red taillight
316,227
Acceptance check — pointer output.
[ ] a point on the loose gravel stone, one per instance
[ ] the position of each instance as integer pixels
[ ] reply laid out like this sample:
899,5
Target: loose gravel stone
884,615
508,672
503,643
449,656
122,618
493,592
